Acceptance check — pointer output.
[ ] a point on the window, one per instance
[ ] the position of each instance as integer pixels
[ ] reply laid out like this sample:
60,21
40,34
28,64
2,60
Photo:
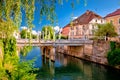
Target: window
96,20
93,27
111,21
101,21
77,31
72,28
119,20
72,33
90,31
77,28
83,27
119,30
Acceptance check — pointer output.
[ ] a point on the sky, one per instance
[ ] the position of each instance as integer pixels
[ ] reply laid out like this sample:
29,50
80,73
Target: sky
65,11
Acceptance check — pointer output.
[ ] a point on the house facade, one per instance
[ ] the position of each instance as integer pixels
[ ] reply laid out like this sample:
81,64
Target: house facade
65,30
114,18
85,25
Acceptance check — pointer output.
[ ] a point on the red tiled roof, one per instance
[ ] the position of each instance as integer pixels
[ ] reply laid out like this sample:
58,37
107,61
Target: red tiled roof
117,12
86,17
83,19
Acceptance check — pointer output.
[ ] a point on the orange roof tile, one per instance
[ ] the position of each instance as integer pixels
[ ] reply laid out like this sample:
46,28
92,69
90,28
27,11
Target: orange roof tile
117,12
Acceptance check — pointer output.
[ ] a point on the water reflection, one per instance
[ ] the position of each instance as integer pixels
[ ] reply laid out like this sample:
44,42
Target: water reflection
70,68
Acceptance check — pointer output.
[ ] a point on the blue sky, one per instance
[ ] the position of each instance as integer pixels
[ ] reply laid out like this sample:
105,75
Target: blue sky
65,11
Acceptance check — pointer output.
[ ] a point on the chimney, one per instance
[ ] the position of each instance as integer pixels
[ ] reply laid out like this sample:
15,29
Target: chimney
87,12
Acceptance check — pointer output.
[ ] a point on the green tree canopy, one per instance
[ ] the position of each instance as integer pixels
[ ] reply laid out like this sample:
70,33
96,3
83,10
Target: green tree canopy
10,20
11,12
105,30
47,32
25,34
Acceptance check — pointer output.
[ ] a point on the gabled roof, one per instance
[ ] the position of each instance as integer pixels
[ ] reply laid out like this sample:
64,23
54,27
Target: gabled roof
86,17
117,12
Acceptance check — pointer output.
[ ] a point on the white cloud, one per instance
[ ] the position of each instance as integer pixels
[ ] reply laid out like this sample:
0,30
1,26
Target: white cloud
74,18
34,32
24,27
56,28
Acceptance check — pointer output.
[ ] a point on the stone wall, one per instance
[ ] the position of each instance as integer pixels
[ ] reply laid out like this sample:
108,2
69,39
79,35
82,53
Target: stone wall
100,50
96,52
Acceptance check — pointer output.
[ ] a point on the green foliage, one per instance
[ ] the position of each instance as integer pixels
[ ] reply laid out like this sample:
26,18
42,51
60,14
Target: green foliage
24,71
1,53
9,46
64,37
105,30
10,20
26,35
7,28
114,57
112,45
48,32
12,68
34,36
25,50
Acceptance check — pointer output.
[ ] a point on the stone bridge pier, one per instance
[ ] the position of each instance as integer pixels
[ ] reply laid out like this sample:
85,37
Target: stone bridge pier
48,51
81,51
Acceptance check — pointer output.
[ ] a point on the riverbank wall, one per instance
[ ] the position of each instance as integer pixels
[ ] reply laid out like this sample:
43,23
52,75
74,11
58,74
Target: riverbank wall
96,52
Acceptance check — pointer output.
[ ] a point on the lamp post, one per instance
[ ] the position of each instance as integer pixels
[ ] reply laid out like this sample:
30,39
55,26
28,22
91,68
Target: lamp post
60,33
83,32
43,35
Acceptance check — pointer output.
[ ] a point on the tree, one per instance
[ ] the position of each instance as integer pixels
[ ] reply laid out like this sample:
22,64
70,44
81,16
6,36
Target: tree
105,30
113,57
10,20
25,34
48,32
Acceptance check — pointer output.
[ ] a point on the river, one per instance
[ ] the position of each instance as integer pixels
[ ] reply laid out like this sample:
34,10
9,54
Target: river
69,68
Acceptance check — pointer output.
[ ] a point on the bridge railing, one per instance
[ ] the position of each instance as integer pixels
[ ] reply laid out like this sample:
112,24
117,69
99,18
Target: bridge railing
27,41
57,42
74,41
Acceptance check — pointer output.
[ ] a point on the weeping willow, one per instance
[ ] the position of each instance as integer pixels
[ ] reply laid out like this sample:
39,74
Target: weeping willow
48,33
10,20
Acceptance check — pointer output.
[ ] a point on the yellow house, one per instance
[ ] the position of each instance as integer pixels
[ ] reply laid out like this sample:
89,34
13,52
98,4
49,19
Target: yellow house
114,18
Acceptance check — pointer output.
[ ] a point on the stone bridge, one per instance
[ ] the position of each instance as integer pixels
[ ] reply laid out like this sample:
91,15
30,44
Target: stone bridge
33,42
48,48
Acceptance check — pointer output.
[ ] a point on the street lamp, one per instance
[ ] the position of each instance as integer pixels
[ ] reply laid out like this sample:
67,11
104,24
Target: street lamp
83,32
60,30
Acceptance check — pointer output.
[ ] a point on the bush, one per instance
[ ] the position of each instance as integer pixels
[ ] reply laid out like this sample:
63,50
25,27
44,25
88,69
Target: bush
113,57
12,68
64,37
112,45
